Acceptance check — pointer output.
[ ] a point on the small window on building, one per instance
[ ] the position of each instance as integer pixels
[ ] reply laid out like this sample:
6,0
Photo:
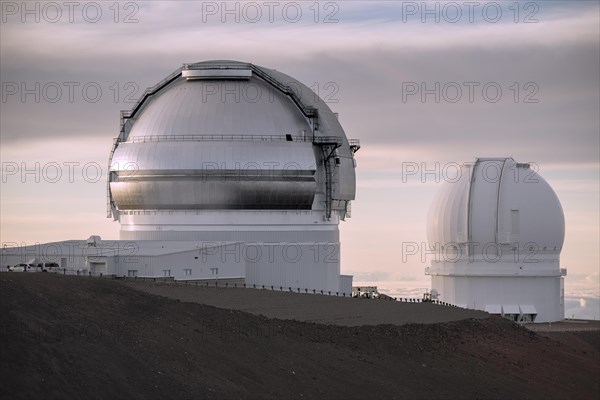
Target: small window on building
514,222
132,272
188,271
215,271
166,272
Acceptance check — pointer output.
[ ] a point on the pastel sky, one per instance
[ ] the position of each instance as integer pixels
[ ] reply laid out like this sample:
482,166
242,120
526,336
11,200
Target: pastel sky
362,57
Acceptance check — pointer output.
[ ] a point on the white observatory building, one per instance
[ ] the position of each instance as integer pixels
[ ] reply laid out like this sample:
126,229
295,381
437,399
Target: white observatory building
230,153
497,233
224,171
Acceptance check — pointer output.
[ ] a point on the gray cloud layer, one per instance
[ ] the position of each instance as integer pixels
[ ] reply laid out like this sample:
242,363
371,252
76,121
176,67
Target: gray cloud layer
369,73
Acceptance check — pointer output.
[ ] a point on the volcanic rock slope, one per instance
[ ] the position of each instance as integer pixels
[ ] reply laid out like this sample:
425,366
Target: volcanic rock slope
68,337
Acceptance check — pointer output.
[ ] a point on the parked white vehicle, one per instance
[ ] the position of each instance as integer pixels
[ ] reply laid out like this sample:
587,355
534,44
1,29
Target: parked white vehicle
22,268
48,267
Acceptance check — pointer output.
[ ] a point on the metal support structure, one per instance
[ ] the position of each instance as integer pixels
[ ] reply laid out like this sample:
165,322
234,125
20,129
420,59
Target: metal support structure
111,210
354,145
328,146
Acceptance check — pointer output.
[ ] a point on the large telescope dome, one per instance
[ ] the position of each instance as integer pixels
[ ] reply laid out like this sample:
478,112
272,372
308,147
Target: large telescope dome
221,136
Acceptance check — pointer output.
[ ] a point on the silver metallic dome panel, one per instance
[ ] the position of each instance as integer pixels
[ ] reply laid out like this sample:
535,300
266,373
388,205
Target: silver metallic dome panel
225,107
213,175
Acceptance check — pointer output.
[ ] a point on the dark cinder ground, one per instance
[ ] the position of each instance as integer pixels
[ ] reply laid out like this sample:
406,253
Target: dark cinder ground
87,338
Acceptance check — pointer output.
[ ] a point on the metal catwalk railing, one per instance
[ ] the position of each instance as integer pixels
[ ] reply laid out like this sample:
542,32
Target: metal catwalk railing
319,140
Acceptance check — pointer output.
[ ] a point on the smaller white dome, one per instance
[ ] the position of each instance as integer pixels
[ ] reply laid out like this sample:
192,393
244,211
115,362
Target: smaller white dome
497,201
